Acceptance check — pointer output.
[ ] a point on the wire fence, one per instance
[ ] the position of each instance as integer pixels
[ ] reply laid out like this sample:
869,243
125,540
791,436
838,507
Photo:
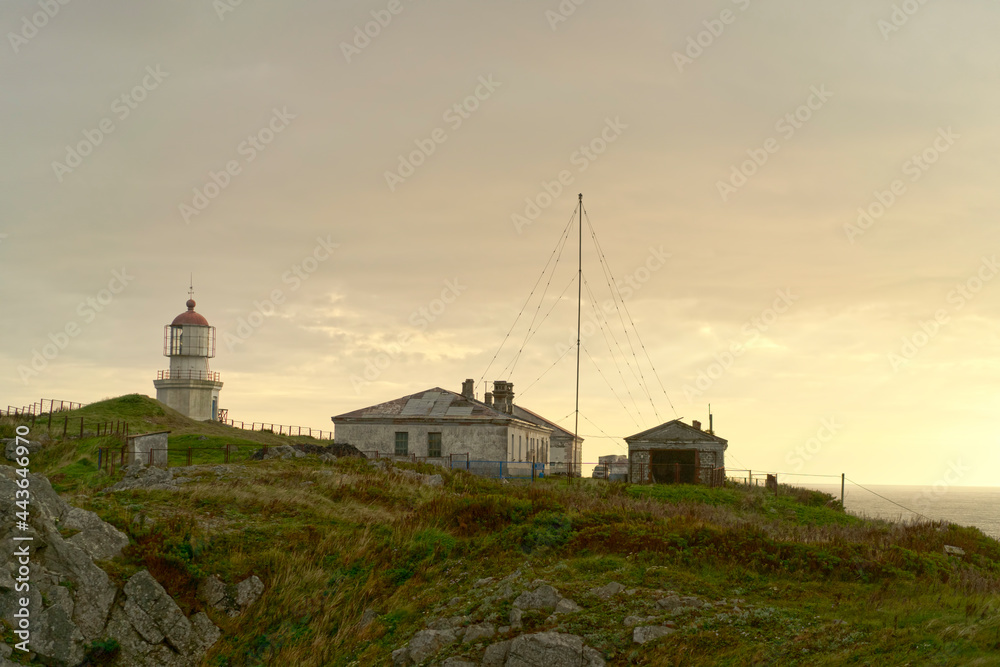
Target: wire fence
78,427
37,408
110,458
280,429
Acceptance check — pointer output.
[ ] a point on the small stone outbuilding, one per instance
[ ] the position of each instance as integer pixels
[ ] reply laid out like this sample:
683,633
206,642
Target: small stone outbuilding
677,453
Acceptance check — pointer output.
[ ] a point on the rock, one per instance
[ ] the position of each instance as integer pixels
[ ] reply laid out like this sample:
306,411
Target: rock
676,604
607,591
515,618
503,629
427,643
230,600
448,623
458,662
151,629
10,448
953,551
483,582
73,601
647,633
99,539
632,621
474,633
506,591
138,476
567,606
401,657
367,618
552,649
496,654
248,591
543,597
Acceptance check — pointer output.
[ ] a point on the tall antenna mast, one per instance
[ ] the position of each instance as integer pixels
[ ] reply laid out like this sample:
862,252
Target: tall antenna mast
579,299
191,289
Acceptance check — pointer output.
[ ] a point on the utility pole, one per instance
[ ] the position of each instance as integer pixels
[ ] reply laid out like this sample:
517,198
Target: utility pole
579,300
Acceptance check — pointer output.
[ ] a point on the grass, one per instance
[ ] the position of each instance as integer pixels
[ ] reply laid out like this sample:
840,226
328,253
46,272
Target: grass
795,581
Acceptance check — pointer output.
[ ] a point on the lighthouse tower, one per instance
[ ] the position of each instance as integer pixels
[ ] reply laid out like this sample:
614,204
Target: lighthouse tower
189,387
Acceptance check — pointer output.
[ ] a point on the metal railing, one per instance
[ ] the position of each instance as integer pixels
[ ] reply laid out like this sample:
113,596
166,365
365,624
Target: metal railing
212,376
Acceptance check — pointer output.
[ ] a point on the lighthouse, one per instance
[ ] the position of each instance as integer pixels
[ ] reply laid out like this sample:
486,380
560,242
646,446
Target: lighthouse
189,386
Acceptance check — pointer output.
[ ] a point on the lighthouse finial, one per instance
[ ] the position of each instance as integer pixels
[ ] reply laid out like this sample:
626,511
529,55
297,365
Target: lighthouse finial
191,289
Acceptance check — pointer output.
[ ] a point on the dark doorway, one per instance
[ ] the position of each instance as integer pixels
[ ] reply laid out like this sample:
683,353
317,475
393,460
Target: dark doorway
674,466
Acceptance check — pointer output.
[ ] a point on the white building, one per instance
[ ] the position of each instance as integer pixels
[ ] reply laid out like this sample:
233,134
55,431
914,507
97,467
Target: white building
438,424
189,386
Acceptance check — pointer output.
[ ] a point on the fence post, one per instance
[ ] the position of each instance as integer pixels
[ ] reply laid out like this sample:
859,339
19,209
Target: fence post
81,427
65,424
100,452
50,416
189,456
749,479
227,452
843,476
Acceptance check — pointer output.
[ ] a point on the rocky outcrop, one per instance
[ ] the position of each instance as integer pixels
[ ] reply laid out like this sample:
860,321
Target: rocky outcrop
73,602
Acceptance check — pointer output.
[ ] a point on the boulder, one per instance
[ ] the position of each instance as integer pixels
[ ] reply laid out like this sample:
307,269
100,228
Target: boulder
607,591
138,476
427,643
496,654
567,606
647,633
99,539
475,633
676,604
552,649
544,598
231,600
10,448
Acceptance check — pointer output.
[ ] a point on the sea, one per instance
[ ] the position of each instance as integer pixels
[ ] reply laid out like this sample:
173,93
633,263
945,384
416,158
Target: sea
963,505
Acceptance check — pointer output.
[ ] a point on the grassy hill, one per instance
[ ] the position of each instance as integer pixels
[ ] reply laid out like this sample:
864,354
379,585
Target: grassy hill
791,580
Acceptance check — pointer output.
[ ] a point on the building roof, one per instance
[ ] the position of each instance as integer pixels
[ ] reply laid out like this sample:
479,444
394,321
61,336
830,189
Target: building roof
676,430
528,415
190,317
435,404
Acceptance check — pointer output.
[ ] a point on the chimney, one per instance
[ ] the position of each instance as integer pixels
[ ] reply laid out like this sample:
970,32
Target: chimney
469,388
503,394
696,424
711,428
488,399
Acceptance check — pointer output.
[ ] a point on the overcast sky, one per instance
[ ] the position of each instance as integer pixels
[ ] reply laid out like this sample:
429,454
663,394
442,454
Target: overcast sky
399,193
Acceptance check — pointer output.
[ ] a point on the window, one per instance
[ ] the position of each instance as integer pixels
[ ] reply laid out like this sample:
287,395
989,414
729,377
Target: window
402,444
433,445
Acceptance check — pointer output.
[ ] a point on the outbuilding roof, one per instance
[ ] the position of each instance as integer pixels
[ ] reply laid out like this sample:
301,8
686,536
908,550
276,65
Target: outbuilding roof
676,430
